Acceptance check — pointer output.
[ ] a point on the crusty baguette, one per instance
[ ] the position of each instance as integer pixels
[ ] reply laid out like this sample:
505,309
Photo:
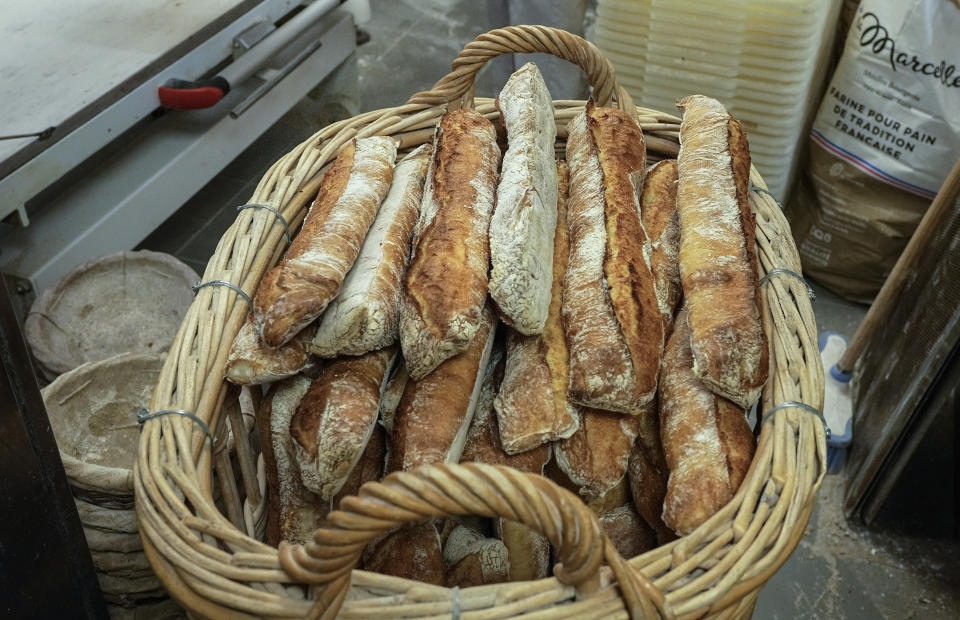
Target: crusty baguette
251,363
483,442
532,404
335,418
612,319
392,393
707,442
471,559
647,474
445,286
431,422
365,316
411,552
658,211
295,292
523,222
528,551
595,457
718,258
629,534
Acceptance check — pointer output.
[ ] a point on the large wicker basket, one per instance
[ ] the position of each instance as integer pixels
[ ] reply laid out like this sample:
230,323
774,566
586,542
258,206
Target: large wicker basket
200,504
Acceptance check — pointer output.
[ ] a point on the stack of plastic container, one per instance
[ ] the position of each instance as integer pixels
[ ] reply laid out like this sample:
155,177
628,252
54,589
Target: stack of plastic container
766,60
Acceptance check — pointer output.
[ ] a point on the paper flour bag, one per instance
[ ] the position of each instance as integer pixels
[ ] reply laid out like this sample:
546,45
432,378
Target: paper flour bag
885,136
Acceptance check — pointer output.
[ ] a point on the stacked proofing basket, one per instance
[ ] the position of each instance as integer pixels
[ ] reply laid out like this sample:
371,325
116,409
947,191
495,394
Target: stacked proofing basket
215,565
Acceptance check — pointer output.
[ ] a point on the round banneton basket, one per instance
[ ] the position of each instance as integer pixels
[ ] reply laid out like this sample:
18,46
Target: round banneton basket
209,553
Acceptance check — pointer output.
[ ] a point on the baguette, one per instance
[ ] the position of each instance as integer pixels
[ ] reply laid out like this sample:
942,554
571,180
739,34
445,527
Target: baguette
532,405
614,328
525,218
295,292
335,418
252,363
629,534
528,551
446,282
595,457
718,258
647,475
411,552
707,442
434,414
392,394
365,316
471,559
658,211
483,441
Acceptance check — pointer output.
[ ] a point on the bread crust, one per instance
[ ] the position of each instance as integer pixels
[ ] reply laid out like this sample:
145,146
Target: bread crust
335,418
296,291
595,458
365,316
525,218
629,534
718,264
445,286
532,405
252,363
411,552
699,430
658,211
471,559
612,320
647,474
434,415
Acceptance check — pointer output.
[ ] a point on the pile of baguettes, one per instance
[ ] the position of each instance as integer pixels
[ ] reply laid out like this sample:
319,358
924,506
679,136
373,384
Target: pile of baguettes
583,365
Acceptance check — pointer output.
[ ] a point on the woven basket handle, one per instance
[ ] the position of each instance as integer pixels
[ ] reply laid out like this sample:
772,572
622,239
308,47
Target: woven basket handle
457,86
458,490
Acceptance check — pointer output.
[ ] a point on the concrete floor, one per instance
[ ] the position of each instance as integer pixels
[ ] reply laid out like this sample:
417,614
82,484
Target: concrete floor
840,569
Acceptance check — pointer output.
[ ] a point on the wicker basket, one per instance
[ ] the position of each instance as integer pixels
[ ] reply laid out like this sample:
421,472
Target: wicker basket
209,553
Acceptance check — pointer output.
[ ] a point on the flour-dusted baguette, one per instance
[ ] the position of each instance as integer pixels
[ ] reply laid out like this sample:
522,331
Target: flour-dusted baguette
523,222
629,534
365,316
483,442
532,404
295,292
658,211
595,457
718,257
706,439
647,474
528,551
251,362
431,422
392,393
445,287
612,319
412,552
472,559
335,418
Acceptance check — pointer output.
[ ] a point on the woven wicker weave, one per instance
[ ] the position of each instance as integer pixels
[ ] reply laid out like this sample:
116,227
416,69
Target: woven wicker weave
201,508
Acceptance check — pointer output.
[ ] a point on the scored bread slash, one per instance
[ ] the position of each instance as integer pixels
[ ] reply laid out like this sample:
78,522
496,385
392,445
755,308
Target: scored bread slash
445,287
532,405
611,315
658,212
297,291
718,257
365,316
434,415
336,417
595,458
525,217
250,362
707,442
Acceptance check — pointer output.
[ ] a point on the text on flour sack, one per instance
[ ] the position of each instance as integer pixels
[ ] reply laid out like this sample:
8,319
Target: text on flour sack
874,128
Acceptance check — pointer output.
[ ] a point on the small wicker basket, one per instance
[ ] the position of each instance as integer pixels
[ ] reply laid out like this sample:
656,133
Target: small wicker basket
201,504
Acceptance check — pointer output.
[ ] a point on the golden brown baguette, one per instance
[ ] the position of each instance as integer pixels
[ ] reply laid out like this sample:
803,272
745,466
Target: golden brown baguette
295,292
446,283
471,559
523,222
658,211
527,550
532,405
411,552
706,439
251,362
431,422
629,534
718,259
595,457
335,418
392,393
647,474
365,316
611,315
